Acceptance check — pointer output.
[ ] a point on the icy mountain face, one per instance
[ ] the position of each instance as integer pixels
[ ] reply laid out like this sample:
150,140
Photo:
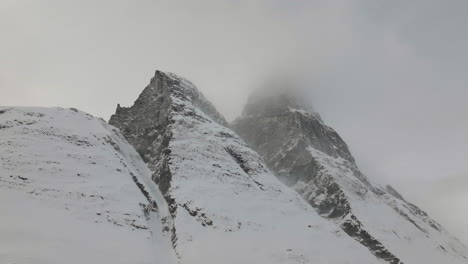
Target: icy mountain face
225,205
312,159
72,190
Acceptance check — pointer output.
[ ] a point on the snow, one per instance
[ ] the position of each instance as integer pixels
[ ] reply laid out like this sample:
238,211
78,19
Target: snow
295,110
67,195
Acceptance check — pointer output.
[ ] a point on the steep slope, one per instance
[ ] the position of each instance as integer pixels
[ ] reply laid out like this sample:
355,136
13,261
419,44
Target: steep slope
312,159
226,206
72,190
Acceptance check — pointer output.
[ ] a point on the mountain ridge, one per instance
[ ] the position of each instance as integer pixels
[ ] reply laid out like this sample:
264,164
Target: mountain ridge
312,158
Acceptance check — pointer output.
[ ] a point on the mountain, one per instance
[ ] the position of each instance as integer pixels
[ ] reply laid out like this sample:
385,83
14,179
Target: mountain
169,181
72,190
226,206
312,159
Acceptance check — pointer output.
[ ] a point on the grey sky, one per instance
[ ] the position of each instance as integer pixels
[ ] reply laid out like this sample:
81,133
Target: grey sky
390,76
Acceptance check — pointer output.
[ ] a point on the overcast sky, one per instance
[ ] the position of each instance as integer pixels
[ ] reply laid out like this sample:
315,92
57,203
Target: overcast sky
389,76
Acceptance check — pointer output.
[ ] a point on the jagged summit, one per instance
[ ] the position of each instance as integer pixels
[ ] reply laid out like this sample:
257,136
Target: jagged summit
150,115
157,97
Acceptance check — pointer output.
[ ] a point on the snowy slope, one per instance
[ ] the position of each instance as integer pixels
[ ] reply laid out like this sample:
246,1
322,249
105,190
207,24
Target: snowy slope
67,194
226,206
312,158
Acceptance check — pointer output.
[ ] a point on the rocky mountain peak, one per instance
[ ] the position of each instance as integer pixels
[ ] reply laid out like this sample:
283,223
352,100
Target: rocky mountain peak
159,96
281,113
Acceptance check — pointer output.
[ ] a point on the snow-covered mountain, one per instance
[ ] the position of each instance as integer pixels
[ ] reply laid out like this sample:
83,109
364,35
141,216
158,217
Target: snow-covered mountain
169,182
312,159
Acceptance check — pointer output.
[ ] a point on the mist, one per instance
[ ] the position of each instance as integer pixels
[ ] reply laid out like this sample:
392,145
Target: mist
389,76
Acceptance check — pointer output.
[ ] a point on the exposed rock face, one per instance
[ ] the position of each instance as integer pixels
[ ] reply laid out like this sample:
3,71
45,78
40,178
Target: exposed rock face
220,193
312,159
146,123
